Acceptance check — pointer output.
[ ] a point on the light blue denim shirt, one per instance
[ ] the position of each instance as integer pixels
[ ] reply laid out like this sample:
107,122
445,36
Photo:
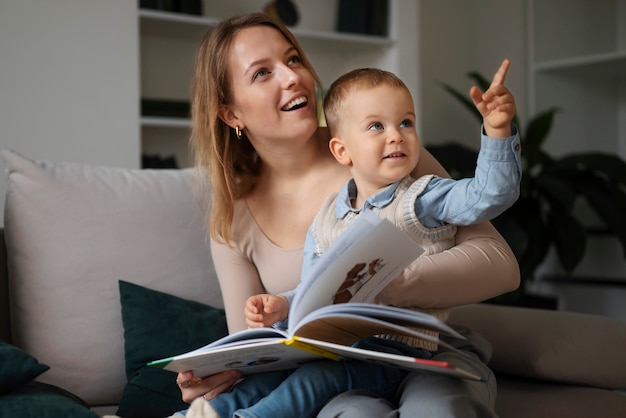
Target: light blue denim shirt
493,189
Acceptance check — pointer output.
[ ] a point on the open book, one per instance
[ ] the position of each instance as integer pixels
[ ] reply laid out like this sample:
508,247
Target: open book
355,268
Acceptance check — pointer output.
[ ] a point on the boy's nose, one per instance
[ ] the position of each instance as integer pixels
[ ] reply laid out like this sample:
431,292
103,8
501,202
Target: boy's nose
395,136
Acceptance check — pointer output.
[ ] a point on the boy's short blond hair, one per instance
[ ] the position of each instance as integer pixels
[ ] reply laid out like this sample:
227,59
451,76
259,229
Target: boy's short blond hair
360,78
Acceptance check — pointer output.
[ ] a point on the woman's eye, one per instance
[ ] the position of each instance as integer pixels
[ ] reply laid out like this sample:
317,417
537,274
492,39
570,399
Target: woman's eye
260,73
376,126
406,123
294,60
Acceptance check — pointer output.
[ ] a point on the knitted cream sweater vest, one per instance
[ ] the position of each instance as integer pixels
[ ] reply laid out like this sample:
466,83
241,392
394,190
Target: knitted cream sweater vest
326,228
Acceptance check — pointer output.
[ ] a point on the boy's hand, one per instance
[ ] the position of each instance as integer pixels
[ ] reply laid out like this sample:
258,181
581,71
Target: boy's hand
497,104
264,310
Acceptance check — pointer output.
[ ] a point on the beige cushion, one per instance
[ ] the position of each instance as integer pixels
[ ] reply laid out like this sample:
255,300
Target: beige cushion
551,345
72,231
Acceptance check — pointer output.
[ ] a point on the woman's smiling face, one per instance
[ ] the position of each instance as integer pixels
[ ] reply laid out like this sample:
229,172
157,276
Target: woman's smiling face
272,92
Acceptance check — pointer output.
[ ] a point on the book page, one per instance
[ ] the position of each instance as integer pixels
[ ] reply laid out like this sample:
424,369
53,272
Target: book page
244,337
356,267
346,329
278,354
406,362
371,312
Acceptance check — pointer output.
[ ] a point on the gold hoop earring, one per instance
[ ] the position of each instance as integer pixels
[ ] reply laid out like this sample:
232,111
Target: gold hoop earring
238,132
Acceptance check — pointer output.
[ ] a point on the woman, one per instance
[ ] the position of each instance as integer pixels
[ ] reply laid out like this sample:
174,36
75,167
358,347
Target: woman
255,131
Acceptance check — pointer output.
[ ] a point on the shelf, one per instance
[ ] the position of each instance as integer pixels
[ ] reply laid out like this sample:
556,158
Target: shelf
168,24
168,44
177,25
348,39
157,122
611,65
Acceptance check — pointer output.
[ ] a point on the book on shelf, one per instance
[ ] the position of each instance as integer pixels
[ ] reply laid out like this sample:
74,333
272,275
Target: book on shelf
331,311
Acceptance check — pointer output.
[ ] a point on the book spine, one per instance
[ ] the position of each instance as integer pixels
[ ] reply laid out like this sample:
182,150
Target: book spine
318,351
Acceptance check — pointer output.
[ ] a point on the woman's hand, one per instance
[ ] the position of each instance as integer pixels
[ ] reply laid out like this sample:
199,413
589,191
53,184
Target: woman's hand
192,387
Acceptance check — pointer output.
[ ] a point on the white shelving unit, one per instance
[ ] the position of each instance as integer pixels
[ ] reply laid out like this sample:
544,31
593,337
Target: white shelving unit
577,62
168,43
162,122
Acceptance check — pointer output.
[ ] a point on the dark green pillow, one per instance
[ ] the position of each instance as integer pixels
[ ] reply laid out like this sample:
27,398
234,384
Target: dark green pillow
40,400
17,367
158,325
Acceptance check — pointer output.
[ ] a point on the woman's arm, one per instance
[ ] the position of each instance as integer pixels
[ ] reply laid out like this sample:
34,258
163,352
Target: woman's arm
238,279
481,265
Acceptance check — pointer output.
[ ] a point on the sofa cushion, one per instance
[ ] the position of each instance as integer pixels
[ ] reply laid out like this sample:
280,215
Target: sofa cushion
159,325
523,398
39,400
550,345
72,231
17,367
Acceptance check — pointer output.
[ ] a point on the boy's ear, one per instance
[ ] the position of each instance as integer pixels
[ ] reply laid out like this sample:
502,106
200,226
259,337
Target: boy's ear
228,116
339,151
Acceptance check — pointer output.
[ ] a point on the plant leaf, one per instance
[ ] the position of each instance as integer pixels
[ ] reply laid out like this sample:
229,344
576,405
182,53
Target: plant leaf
608,200
531,246
465,101
608,165
537,131
480,80
558,191
569,237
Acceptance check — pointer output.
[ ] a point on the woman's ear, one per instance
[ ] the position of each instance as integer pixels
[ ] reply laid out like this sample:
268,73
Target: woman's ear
229,117
339,151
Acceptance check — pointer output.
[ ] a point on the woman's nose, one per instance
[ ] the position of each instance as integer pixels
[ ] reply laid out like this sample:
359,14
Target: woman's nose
288,76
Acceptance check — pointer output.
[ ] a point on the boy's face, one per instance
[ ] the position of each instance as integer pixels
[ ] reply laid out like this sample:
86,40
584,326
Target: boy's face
376,136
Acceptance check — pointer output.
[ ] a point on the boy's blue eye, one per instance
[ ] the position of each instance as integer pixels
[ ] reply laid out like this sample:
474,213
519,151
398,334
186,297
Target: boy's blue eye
376,126
406,123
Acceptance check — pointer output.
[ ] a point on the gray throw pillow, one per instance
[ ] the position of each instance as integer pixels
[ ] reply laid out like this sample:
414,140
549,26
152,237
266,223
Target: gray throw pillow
72,231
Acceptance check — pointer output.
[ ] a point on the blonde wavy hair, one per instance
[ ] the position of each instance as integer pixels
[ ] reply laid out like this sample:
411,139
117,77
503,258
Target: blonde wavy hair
227,168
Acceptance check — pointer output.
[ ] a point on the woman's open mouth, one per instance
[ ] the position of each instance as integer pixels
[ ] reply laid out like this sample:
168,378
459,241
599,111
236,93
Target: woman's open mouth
295,104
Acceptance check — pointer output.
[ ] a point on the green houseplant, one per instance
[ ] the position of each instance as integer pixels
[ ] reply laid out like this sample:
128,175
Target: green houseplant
544,214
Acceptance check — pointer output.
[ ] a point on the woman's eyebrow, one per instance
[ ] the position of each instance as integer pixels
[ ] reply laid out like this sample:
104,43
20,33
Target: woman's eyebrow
256,63
260,61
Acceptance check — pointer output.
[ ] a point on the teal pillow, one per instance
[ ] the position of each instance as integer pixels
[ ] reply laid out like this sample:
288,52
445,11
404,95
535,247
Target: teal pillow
40,400
38,405
17,367
158,325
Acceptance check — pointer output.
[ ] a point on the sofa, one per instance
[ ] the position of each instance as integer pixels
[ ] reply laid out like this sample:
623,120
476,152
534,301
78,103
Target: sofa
103,269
